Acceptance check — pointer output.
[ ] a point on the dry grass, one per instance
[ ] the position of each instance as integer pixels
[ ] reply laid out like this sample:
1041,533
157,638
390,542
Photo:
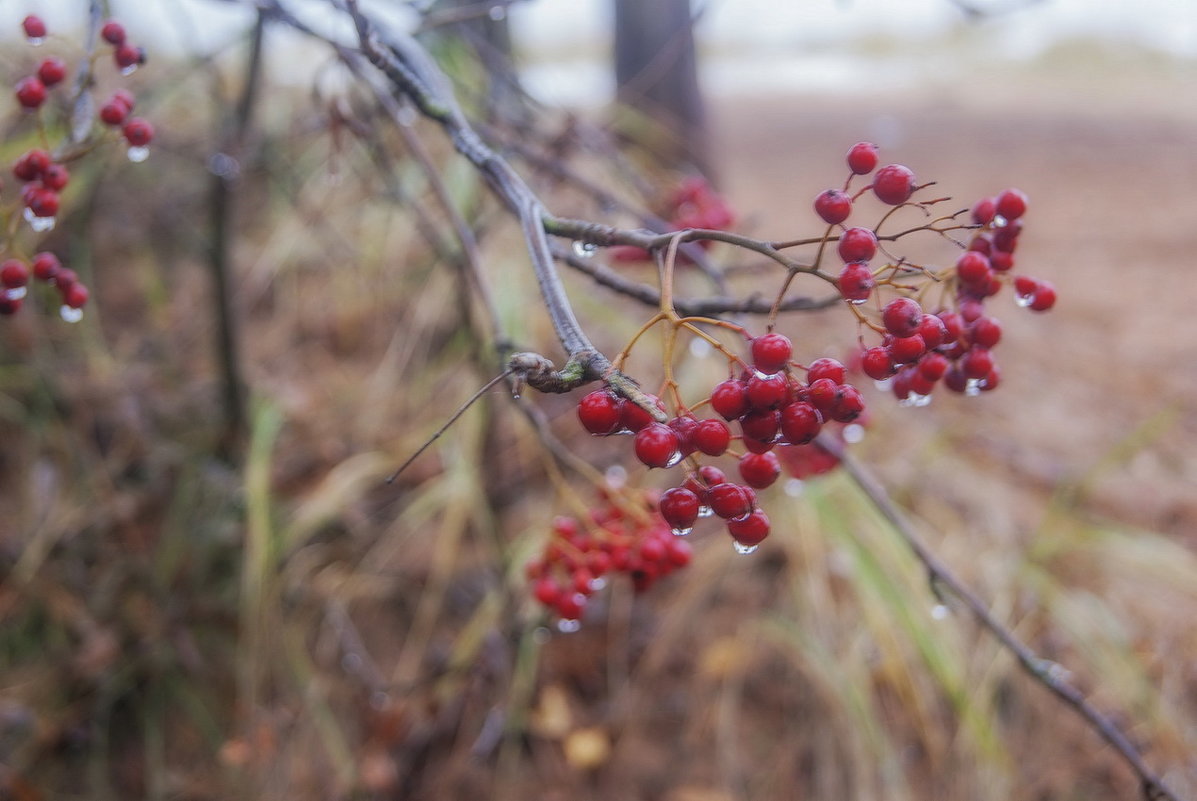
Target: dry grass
174,627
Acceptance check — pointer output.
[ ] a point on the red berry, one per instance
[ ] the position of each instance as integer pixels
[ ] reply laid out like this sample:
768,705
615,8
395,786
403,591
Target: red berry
751,530
9,305
55,177
634,418
985,331
126,55
1025,286
901,316
877,364
31,165
113,113
1044,297
730,501
953,325
1001,261
857,244
125,98
52,71
932,366
34,27
31,92
599,412
656,445
856,282
1011,204
983,211
767,391
833,206
862,158
893,184
570,606
13,274
759,469
760,425
849,404
729,399
800,422
826,368
771,352
678,552
46,266
933,331
684,427
41,201
976,362
65,278
822,394
905,350
711,437
113,32
75,295
138,132
679,507
972,268
546,591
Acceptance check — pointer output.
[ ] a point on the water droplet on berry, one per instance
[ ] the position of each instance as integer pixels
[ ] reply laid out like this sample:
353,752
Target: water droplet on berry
568,626
497,13
70,314
916,400
138,154
973,387
743,549
705,511
35,40
700,348
857,301
584,249
39,224
681,532
129,70
884,384
853,433
674,459
616,476
939,612
999,221
15,294
598,583
1024,300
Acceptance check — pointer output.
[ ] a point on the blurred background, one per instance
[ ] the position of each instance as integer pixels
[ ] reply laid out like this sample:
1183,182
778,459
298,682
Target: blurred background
207,589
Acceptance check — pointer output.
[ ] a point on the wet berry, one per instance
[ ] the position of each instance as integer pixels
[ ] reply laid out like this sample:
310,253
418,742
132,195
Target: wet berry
759,470
729,399
656,445
893,184
901,316
750,530
833,206
771,352
857,244
862,158
600,412
52,71
711,437
31,92
113,32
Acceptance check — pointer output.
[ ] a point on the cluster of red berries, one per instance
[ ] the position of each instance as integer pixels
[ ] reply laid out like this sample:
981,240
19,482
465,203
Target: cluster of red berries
693,204
32,90
15,275
43,176
622,535
954,343
772,406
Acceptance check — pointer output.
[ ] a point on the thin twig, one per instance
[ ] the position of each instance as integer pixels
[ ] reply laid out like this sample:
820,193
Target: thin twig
1044,671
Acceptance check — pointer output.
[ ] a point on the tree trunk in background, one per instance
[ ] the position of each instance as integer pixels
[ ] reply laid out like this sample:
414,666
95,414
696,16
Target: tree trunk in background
656,72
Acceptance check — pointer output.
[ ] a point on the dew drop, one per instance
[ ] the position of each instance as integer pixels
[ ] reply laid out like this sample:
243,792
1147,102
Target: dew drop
700,348
1023,300
584,249
939,612
598,583
674,459
705,511
795,487
884,384
999,221
853,433
138,154
39,224
973,388
129,70
857,301
497,13
70,314
15,294
35,40
568,626
681,532
743,549
915,399
616,476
